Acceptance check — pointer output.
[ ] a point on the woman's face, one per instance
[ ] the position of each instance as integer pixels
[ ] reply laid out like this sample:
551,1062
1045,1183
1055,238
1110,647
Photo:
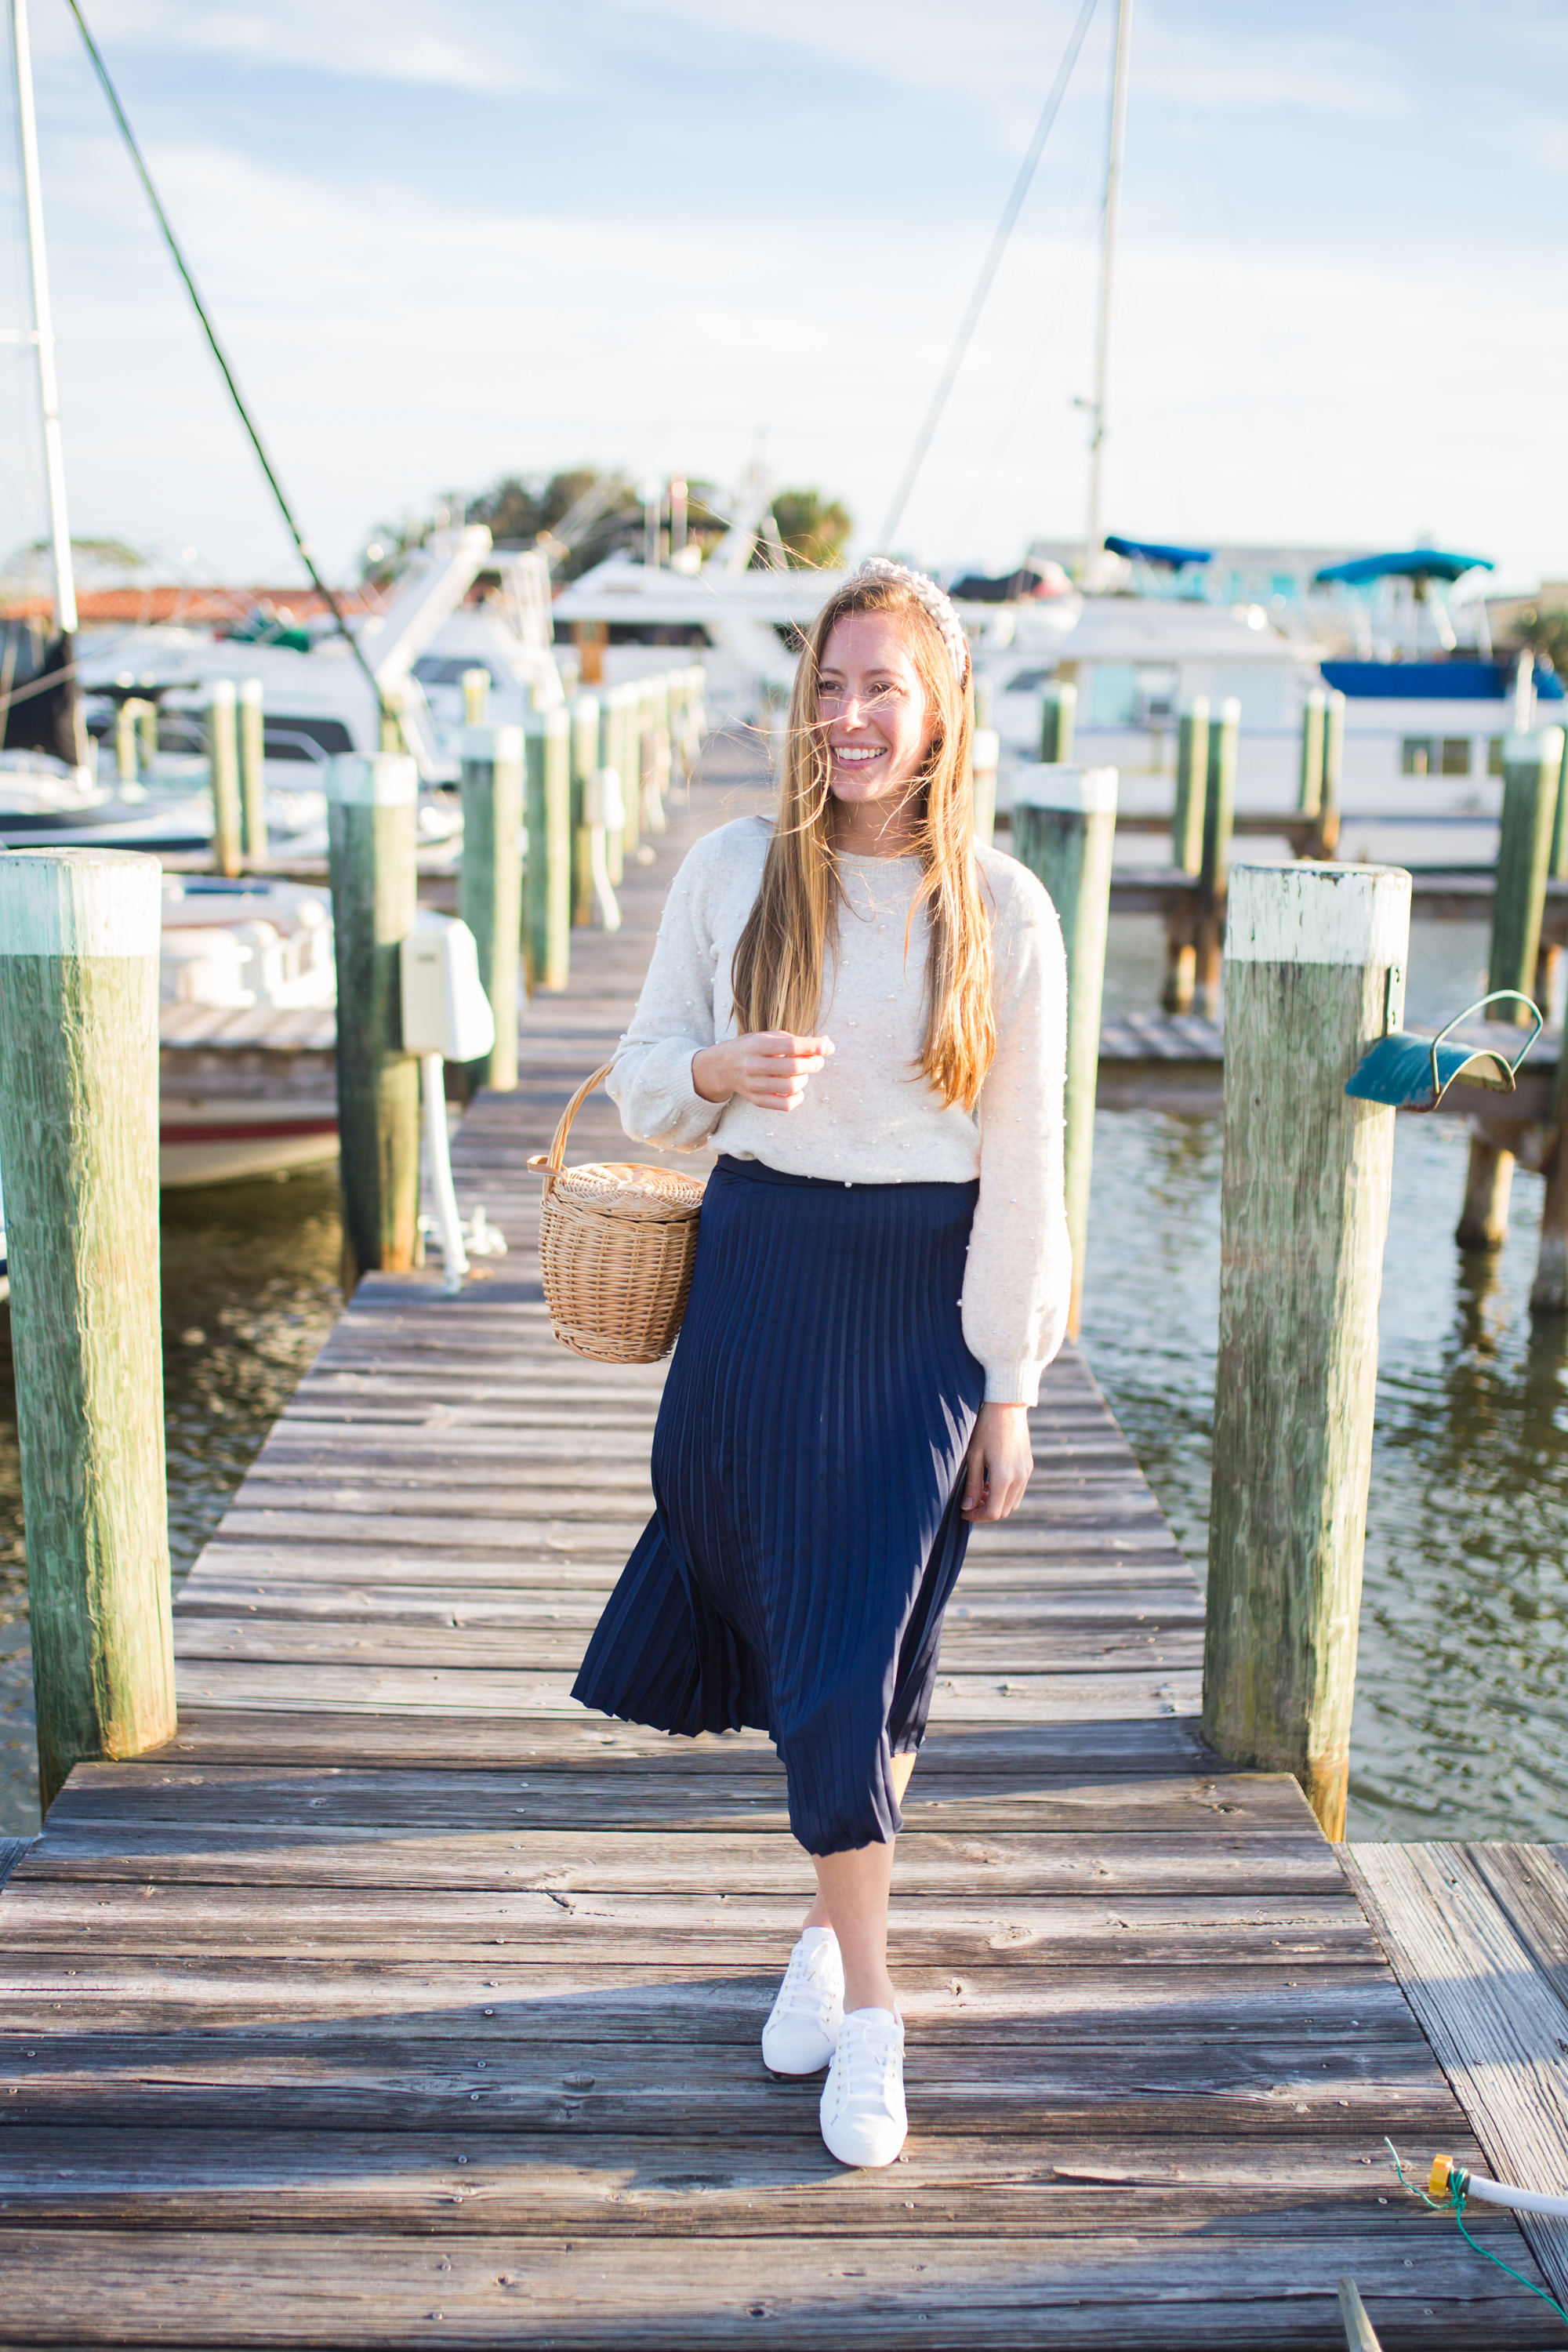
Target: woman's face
875,715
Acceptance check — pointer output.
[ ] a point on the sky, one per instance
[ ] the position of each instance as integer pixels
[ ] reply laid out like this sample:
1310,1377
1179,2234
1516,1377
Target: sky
444,243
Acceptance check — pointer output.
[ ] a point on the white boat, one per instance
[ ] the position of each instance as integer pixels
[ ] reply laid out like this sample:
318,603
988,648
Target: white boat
246,1030
630,619
317,702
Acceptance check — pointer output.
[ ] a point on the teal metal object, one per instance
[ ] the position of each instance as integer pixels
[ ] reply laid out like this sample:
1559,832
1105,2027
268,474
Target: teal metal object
1410,1071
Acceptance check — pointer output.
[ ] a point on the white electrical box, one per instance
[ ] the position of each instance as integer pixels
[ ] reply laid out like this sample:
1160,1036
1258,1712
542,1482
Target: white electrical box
445,1008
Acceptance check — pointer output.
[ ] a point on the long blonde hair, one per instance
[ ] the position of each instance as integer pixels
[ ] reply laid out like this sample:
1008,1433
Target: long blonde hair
778,969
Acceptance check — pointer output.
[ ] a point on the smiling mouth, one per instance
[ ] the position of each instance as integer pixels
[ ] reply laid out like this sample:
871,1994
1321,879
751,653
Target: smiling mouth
857,759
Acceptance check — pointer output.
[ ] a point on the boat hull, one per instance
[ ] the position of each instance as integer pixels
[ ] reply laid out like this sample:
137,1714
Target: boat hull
230,1141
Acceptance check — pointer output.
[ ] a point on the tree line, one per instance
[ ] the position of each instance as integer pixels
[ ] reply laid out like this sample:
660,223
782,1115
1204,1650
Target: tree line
599,511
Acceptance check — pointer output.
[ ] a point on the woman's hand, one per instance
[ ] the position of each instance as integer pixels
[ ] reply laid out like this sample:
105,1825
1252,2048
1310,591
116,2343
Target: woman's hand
767,1068
996,1469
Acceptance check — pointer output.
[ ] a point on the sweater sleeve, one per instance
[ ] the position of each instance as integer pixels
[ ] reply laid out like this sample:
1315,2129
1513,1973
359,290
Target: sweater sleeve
1019,1276
651,1081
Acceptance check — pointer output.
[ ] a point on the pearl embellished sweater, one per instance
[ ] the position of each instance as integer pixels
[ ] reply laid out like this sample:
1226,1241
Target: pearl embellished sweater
869,1117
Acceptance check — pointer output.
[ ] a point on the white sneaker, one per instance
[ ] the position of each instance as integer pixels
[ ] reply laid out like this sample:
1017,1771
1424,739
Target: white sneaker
799,2035
863,2120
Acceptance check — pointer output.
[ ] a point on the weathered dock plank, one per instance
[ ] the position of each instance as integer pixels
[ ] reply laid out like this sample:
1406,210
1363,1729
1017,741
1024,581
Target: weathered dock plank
1450,1918
396,1997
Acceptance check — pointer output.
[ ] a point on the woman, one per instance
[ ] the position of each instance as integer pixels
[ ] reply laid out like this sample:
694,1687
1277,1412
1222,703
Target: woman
864,1011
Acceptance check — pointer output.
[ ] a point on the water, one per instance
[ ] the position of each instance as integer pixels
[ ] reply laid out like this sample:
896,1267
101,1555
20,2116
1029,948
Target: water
250,1291
1461,1723
1461,1719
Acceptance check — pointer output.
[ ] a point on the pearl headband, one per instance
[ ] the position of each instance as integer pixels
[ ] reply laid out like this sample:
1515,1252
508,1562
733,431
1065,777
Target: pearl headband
927,592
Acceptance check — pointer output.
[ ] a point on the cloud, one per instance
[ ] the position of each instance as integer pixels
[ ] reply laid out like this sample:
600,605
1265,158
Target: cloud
1267,70
409,317
1004,57
397,344
476,45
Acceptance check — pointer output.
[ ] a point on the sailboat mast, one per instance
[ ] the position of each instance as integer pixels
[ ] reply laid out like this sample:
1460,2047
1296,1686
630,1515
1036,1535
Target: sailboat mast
1094,523
43,324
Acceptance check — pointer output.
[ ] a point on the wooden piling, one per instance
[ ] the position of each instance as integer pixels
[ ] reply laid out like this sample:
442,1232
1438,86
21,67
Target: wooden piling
598,751
547,933
1532,765
1328,835
656,782
582,835
1213,870
638,748
1549,1291
1549,962
78,1144
674,692
223,755
490,892
370,840
147,731
1064,830
579,768
985,752
1188,849
696,713
125,742
1310,788
1059,721
1558,868
253,770
476,697
1304,1212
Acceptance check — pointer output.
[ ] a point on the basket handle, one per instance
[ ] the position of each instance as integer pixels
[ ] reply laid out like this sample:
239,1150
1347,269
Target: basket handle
554,1159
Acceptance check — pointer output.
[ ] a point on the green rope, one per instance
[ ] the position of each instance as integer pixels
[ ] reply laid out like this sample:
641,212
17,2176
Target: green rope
1455,2206
1459,2217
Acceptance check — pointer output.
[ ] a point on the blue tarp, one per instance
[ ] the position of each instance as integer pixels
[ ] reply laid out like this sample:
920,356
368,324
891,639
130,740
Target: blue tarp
1450,681
1416,563
1150,552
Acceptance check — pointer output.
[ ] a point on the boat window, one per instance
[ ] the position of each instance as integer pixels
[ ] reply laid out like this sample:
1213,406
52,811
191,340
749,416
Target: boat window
1494,755
658,633
303,739
1028,681
1455,755
450,669
1113,695
1418,756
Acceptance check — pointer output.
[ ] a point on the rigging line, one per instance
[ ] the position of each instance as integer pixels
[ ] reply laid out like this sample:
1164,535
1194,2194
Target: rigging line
991,463
983,283
276,487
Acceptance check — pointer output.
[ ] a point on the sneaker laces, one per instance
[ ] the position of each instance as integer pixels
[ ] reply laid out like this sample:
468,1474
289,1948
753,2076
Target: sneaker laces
865,2063
807,1980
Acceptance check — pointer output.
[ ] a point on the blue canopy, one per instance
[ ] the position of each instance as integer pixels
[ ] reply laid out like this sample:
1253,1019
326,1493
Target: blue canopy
1149,550
1415,563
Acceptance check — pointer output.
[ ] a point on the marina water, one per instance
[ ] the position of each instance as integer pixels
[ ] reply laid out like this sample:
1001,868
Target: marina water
1461,1721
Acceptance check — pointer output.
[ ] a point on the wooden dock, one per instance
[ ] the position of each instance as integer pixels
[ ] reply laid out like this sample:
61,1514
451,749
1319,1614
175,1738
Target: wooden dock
399,2003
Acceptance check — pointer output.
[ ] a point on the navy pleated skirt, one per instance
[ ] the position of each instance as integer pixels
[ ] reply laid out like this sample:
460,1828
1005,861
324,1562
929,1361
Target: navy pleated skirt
807,1468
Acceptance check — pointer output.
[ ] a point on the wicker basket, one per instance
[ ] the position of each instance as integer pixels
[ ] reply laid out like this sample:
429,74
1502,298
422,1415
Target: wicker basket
616,1247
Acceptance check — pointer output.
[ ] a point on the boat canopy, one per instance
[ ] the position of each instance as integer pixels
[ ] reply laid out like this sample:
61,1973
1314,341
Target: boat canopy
1434,681
1415,563
1150,550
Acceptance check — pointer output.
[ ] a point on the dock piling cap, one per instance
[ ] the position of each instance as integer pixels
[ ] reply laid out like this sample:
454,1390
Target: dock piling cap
1407,1071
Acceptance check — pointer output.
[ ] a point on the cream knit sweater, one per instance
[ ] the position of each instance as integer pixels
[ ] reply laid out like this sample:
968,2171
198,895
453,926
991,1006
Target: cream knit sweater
870,1117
